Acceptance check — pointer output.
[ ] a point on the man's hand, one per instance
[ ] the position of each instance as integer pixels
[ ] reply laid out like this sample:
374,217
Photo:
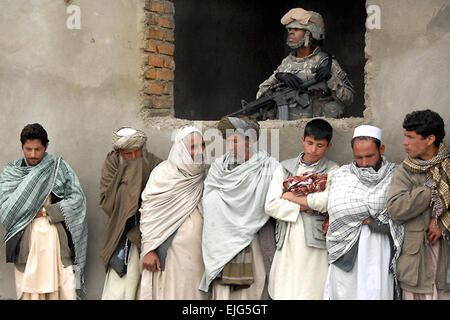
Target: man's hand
433,232
301,200
151,262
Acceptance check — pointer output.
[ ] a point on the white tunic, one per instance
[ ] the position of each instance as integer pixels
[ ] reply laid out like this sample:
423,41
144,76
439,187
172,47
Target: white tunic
183,269
298,271
45,277
369,278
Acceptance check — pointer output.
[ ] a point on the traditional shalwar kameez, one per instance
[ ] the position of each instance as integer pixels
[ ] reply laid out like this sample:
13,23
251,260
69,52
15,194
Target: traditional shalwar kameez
298,271
357,193
42,270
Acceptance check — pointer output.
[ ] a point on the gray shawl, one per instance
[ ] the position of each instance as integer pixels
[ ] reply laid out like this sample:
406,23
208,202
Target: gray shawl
233,204
23,191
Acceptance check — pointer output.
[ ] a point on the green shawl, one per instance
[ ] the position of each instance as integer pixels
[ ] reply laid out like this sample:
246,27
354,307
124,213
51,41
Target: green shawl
23,191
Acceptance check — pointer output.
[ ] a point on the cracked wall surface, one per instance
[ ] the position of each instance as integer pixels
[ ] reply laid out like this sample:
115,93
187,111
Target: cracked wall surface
83,84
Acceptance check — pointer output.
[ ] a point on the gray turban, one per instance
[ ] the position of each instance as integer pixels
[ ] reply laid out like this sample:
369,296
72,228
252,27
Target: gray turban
128,138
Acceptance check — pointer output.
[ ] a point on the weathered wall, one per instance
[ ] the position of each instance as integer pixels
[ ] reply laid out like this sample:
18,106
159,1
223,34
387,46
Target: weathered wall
408,66
79,84
82,84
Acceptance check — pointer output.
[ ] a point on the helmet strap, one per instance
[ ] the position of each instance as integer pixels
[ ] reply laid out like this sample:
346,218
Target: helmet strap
303,42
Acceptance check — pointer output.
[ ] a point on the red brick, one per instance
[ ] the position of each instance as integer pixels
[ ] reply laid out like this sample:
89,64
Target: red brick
156,34
165,22
163,74
155,88
159,74
156,61
169,63
156,6
166,48
151,46
151,74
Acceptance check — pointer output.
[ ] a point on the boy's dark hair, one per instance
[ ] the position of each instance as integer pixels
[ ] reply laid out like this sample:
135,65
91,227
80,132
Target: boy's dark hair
34,131
425,123
318,129
375,140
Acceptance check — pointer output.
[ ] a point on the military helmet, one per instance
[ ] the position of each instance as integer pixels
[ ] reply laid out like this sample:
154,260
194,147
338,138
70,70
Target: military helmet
307,20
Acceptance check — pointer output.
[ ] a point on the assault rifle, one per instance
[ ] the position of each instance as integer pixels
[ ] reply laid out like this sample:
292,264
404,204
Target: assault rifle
282,96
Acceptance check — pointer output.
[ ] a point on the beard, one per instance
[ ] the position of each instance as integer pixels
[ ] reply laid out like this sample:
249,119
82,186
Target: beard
377,165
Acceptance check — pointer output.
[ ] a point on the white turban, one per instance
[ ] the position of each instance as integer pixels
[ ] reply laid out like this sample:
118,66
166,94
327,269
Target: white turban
128,138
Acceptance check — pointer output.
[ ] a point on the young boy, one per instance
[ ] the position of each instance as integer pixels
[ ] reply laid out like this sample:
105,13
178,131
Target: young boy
299,268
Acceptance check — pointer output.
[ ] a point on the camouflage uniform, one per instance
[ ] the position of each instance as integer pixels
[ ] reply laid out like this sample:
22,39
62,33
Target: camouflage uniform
331,106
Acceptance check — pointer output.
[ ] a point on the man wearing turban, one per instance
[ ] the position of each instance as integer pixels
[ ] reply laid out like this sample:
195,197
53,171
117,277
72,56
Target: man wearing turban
124,175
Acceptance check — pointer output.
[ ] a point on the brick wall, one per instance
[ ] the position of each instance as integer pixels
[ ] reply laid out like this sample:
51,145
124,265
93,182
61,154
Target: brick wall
159,62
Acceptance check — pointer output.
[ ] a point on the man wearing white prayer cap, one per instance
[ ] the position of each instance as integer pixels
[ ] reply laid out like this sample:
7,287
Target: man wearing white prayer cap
124,175
363,242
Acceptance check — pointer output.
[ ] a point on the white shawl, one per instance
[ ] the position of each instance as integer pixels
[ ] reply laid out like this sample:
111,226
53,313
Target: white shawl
233,204
173,191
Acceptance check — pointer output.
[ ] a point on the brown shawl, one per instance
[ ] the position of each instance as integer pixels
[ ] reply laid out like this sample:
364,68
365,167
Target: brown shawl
121,186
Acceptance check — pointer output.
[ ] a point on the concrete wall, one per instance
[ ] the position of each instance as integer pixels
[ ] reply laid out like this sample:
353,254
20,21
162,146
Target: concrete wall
82,84
79,84
408,66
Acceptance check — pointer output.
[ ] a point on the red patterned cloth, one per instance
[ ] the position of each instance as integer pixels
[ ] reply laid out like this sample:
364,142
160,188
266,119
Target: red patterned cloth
305,184
325,224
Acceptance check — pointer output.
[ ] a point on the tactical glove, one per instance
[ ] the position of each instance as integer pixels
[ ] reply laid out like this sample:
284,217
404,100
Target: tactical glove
323,73
290,79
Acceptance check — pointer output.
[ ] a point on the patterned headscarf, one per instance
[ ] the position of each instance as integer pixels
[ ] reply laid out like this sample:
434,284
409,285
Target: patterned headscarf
437,169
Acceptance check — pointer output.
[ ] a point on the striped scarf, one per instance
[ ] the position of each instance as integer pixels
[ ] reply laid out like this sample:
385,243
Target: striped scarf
23,191
437,170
